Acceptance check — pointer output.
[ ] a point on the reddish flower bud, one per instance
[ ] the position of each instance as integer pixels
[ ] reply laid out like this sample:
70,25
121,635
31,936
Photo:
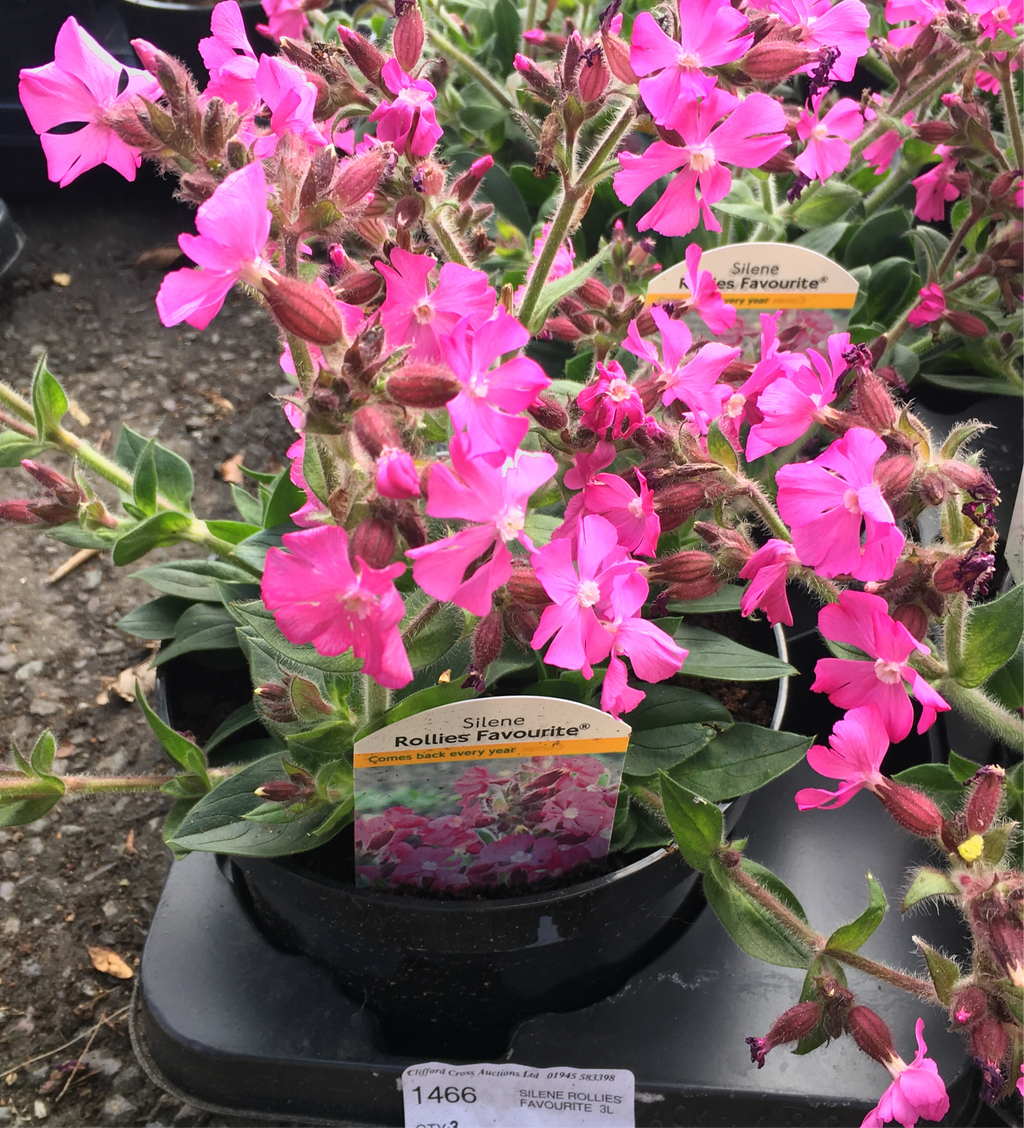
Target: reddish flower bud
616,51
358,176
523,585
1003,186
790,1026
967,1006
772,60
485,647
593,75
17,512
966,323
931,487
284,791
336,253
561,329
732,549
983,805
894,475
374,542
676,504
911,808
990,1045
407,41
873,402
374,431
306,310
539,81
963,475
64,490
682,567
934,132
423,385
271,692
360,287
409,210
521,623
695,589
594,293
871,1034
362,52
410,525
913,617
549,413
469,181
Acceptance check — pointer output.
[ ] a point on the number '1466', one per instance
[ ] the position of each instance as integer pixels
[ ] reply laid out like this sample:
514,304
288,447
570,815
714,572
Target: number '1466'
451,1095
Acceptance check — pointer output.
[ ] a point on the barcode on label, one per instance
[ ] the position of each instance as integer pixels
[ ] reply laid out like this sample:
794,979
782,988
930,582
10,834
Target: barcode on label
516,1096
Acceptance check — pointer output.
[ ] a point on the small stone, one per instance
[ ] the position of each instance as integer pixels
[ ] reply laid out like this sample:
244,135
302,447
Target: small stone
6,890
11,926
111,909
29,670
39,1109
92,579
129,1078
40,707
8,662
34,846
10,859
68,829
6,1114
117,1110
30,968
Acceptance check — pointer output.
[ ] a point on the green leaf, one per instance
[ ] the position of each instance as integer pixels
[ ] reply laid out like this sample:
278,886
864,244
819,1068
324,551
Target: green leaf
997,842
49,403
696,824
824,238
202,627
249,508
15,447
944,972
558,288
499,189
244,716
508,29
158,531
727,598
194,580
533,190
174,818
75,536
144,480
285,498
715,656
883,235
437,634
578,368
234,532
156,619
217,822
173,474
721,449
829,204
670,725
182,751
928,883
851,936
887,289
962,768
822,965
993,633
742,203
418,702
255,616
929,248
739,760
540,527
975,385
753,928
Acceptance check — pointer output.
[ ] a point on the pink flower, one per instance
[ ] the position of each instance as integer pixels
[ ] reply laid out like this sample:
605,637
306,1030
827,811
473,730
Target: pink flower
935,188
858,743
565,256
408,121
291,99
880,152
751,134
229,58
827,501
916,1091
637,525
842,27
286,18
396,474
705,297
82,84
710,34
862,620
826,151
494,501
789,405
576,810
582,595
767,571
611,402
653,654
931,307
317,596
488,406
922,12
414,315
233,226
314,512
997,15
775,363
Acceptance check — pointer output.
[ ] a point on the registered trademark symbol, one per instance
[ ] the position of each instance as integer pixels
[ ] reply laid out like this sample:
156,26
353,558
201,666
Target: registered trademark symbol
586,724
824,278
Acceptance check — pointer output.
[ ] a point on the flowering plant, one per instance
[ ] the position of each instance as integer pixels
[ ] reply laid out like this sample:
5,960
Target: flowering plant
512,475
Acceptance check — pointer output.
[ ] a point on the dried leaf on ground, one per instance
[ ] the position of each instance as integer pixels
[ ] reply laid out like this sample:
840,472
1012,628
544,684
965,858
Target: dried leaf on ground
109,962
61,278
124,683
66,749
223,405
230,469
159,258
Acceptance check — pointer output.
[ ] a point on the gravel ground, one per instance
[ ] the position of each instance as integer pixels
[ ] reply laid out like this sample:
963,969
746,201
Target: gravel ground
91,873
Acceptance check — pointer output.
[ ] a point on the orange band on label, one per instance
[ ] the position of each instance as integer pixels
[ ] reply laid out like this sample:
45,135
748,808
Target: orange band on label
452,753
769,299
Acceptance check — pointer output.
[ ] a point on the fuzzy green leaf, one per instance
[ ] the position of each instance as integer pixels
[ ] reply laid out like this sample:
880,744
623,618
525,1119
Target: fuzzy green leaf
993,633
696,824
740,760
944,972
928,883
851,936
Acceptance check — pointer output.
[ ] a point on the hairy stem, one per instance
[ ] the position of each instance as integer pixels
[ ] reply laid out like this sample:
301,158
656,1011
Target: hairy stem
959,236
771,904
25,787
765,510
15,424
198,532
303,362
10,398
474,70
984,712
606,147
545,260
892,184
1010,112
909,983
447,239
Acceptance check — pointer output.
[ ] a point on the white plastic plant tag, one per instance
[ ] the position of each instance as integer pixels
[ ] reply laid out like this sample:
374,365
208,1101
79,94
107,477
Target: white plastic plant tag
497,791
516,1096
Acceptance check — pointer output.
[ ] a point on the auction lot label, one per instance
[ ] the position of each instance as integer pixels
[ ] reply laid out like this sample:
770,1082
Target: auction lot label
765,276
516,1096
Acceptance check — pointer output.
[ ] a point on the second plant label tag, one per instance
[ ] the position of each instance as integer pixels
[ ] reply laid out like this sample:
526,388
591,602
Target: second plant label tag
497,791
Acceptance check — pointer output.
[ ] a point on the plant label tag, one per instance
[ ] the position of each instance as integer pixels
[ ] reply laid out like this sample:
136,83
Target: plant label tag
487,793
516,1096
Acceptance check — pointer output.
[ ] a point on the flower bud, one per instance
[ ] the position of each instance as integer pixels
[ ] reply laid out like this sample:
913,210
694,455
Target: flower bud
271,692
396,474
549,413
678,503
359,287
593,75
408,212
374,542
616,51
911,808
469,181
308,311
65,491
966,323
990,1045
931,487
284,791
1004,184
962,474
934,132
594,293
357,176
693,589
967,1006
1004,938
772,60
682,567
410,525
523,585
873,402
407,41
732,549
521,624
790,1026
374,431
362,52
539,81
561,329
423,385
17,512
871,1034
485,647
914,617
983,805
893,477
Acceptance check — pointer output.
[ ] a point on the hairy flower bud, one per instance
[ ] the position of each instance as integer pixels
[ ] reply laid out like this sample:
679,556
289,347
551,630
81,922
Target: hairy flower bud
521,623
593,75
271,692
871,1034
17,512
362,52
990,1045
962,474
561,329
682,567
523,585
284,791
772,60
931,487
594,293
423,385
678,503
358,176
967,1006
873,402
410,524
790,1026
616,51
914,617
306,310
407,41
732,549
934,132
64,490
549,413
987,794
465,185
359,287
893,477
485,647
966,323
374,431
537,79
373,541
911,808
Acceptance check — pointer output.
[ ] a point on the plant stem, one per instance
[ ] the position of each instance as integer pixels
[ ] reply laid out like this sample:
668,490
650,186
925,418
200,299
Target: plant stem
909,983
593,169
892,184
17,425
25,787
1010,112
768,203
446,238
772,905
199,533
10,398
531,17
984,712
765,509
472,69
959,236
303,362
376,699
545,260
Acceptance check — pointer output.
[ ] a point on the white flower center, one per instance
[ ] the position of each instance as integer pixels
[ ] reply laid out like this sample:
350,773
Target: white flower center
588,593
818,133
1001,14
511,523
428,865
423,312
570,813
851,502
355,603
734,406
888,672
479,386
702,158
620,390
688,60
636,507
